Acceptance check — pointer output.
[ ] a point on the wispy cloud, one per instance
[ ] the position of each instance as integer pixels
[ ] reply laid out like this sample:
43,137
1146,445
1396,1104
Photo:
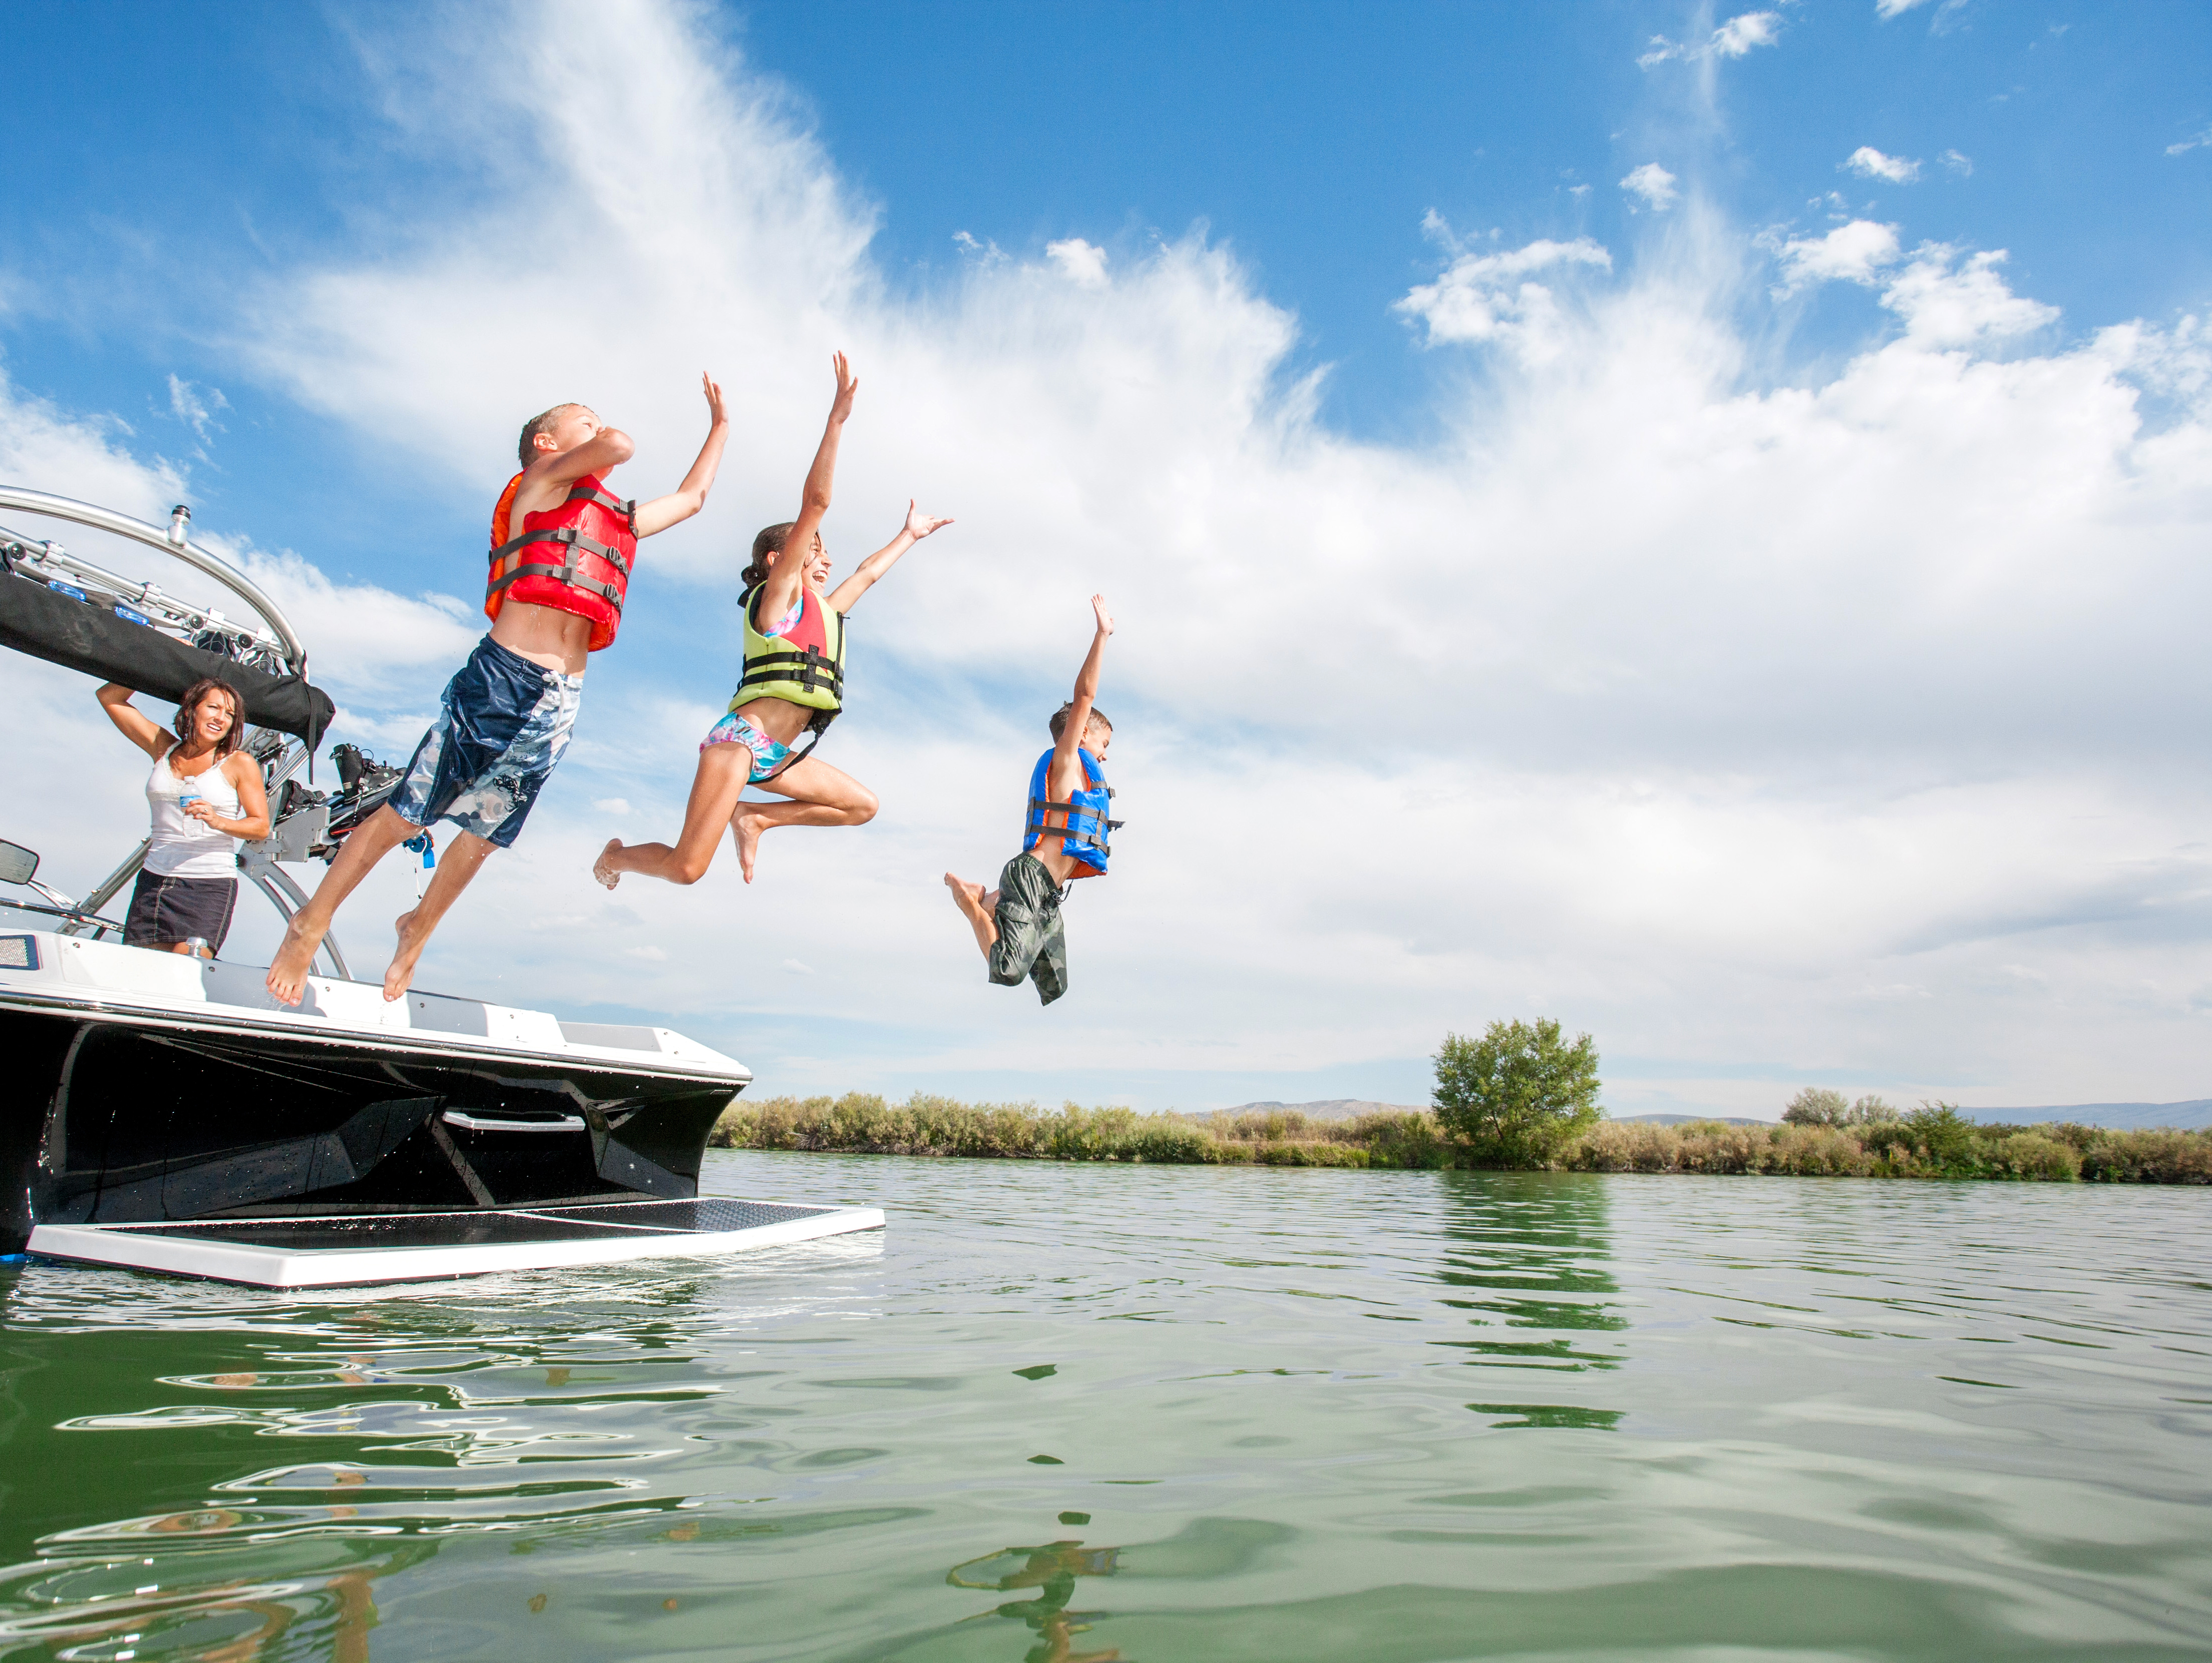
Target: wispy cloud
1653,184
196,407
1870,163
1946,11
1960,164
2194,142
1733,39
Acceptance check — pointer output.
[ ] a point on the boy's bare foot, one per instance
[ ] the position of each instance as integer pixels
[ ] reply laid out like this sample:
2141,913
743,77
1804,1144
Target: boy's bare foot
287,971
606,874
412,941
748,829
969,898
965,895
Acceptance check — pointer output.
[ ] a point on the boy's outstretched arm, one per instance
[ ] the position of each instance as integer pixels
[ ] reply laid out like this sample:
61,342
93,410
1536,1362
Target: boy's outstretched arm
780,591
687,499
1064,758
610,447
918,525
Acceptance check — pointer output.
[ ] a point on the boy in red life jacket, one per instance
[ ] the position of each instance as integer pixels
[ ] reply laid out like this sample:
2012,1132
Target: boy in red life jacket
555,595
792,685
1018,925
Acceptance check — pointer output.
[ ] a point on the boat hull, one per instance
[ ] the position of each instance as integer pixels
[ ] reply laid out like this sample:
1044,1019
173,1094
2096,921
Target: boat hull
128,1117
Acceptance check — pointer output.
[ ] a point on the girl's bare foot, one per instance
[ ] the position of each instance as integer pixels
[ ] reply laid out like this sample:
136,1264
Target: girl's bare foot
747,829
402,971
606,874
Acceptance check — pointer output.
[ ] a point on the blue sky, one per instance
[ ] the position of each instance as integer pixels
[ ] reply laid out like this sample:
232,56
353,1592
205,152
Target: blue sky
1197,347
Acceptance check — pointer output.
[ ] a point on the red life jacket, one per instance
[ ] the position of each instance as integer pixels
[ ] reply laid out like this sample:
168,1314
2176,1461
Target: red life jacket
573,558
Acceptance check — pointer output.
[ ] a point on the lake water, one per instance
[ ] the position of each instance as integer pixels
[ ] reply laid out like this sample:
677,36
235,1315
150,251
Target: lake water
1157,1413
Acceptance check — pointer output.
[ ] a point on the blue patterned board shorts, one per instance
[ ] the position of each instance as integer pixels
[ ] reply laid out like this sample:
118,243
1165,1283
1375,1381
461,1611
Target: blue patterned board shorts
501,725
735,729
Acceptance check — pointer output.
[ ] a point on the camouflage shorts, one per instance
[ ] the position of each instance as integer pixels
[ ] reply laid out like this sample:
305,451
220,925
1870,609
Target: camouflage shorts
1032,939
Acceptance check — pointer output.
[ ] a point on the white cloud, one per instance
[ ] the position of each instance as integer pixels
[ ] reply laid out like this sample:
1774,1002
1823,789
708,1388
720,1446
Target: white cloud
2195,141
1959,163
611,805
1733,38
1488,297
1654,183
1885,9
1946,298
1741,33
1715,704
1870,163
1080,262
1852,253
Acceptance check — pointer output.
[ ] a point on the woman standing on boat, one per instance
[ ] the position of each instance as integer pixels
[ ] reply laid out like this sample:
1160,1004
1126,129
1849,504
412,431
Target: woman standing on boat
205,794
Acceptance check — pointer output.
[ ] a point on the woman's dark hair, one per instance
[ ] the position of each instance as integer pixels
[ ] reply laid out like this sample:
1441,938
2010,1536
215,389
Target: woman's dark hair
195,694
768,541
1059,720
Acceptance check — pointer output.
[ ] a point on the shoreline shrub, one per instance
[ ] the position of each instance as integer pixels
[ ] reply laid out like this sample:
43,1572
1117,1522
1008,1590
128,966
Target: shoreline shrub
1933,1142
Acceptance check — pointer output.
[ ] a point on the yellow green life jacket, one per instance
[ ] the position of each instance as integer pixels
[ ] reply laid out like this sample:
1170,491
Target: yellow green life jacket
805,664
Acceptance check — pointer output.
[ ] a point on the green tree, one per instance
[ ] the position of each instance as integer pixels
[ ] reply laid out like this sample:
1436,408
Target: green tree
1949,1137
1518,1094
1817,1106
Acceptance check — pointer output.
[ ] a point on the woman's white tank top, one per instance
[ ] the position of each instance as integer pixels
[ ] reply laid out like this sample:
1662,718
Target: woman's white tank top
183,846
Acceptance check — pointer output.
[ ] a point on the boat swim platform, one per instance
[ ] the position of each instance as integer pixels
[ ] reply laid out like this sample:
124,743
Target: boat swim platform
353,1249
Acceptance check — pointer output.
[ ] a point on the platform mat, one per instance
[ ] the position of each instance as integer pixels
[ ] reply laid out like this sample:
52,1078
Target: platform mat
339,1250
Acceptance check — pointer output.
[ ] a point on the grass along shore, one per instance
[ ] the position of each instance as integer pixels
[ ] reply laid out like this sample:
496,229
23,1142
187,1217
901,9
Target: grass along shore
1932,1142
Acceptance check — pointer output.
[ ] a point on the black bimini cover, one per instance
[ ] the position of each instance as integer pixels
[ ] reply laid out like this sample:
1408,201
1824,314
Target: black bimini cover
83,635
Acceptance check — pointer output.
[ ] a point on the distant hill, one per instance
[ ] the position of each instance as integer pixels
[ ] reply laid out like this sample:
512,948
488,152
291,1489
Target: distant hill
1684,1119
2194,1115
1329,1108
1350,1108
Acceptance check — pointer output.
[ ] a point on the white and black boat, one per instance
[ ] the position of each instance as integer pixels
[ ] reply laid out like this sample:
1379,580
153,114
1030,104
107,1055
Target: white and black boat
164,1112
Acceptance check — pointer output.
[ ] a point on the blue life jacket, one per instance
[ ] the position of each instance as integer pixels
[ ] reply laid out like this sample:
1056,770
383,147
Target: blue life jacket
1083,816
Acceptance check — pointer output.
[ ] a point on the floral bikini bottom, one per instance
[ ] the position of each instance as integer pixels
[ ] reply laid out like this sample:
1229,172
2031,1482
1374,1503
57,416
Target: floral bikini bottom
735,729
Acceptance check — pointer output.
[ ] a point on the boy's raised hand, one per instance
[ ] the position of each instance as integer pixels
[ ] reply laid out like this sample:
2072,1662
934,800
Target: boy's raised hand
920,524
1105,618
715,415
842,410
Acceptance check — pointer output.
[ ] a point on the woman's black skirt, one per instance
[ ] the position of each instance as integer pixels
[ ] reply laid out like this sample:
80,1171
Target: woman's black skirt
165,910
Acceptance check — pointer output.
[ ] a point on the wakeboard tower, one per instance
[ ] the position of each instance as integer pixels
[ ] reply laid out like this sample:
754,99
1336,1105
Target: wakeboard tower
166,1113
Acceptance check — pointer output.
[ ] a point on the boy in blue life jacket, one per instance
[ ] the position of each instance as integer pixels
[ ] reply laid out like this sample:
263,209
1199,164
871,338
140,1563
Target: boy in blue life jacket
1018,925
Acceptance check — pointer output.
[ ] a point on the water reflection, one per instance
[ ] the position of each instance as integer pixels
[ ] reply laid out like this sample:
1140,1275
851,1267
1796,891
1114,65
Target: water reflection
1052,1570
1534,1251
164,1588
